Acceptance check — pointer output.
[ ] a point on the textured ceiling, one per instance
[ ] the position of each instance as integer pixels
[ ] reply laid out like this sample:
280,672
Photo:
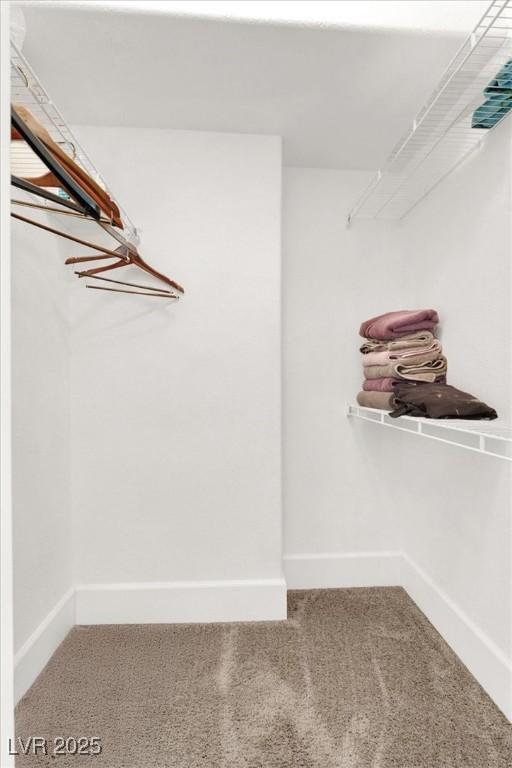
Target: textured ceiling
340,97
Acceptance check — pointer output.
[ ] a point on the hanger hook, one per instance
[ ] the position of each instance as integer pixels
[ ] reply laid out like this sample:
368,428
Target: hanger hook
23,74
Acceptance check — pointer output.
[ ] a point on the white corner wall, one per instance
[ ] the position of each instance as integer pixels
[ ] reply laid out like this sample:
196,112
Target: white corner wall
455,247
42,557
365,505
456,513
336,489
176,410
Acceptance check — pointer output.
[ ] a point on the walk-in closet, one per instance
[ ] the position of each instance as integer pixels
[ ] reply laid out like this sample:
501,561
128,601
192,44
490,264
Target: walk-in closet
256,384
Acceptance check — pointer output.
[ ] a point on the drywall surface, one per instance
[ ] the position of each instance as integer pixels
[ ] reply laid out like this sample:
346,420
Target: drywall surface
337,494
455,507
176,407
40,418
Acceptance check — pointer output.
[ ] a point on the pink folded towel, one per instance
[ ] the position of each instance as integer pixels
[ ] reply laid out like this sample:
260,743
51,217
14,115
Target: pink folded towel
409,341
381,385
405,356
389,385
386,401
392,325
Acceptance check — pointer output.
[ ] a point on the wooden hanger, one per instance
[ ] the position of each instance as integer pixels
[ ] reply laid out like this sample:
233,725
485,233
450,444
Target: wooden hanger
67,236
123,254
49,208
27,186
88,201
61,167
154,291
80,195
139,293
136,260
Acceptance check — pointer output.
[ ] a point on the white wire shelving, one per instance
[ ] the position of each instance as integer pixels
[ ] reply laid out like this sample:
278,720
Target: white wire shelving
27,91
488,437
441,136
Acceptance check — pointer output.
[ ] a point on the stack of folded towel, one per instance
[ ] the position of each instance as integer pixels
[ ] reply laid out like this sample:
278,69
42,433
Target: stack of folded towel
405,370
398,347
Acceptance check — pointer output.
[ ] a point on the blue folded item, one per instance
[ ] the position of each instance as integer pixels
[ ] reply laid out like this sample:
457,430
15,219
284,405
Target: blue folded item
483,117
499,101
504,77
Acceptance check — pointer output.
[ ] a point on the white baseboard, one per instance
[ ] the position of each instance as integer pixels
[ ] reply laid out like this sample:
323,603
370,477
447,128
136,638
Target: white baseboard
265,600
42,643
484,659
343,569
181,602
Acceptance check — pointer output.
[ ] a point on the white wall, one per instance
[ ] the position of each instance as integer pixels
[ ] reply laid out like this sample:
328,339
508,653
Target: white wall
176,408
335,485
456,520
456,249
41,442
6,521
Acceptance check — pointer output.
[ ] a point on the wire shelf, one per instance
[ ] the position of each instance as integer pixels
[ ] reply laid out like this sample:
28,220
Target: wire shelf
491,438
27,91
441,136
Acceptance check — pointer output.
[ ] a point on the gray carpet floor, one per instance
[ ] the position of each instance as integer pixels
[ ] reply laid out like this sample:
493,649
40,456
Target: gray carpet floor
355,678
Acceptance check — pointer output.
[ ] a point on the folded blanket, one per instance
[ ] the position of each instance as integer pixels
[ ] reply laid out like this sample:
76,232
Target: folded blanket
385,401
438,401
494,109
427,371
499,99
423,371
503,79
407,356
381,385
418,339
392,325
390,385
